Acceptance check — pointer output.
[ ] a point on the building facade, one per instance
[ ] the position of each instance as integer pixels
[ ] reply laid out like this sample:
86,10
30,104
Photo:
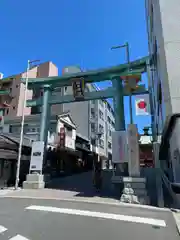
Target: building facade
163,27
32,129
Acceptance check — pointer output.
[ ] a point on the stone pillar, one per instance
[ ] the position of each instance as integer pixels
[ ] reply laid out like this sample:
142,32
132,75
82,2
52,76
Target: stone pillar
133,148
119,105
158,171
45,114
36,180
119,113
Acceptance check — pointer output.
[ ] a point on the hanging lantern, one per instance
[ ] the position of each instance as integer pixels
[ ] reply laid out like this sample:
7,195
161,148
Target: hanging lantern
131,81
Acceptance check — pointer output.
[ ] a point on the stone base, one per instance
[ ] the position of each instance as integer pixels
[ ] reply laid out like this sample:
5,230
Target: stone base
134,190
34,181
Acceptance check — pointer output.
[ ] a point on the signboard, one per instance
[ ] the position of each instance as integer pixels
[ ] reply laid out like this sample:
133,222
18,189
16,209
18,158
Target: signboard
119,147
37,156
62,137
134,163
142,105
78,88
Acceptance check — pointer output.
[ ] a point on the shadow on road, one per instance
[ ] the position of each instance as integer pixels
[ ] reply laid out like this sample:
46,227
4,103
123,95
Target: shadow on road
82,185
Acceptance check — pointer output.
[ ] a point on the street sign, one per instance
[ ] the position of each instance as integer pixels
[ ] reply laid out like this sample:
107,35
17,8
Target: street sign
37,154
78,88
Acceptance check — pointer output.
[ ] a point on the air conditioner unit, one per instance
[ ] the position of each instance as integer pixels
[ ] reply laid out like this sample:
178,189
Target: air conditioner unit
1,75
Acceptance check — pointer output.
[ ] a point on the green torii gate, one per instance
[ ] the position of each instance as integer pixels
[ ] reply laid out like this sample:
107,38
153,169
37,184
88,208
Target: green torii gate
117,91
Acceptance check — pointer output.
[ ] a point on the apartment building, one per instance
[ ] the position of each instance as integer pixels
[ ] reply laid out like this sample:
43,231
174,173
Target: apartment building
17,88
163,28
101,126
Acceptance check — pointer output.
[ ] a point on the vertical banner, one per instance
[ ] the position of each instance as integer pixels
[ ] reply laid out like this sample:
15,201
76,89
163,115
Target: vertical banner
62,138
37,155
133,144
119,147
142,105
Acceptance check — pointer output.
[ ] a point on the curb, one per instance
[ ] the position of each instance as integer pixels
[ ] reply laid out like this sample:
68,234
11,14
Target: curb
95,201
176,216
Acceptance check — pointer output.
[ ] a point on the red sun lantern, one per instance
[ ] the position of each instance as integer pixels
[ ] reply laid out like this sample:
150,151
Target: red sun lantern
141,104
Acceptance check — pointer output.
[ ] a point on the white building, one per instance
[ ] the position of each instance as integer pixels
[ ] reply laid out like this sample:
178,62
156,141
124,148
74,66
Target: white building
101,126
164,44
32,128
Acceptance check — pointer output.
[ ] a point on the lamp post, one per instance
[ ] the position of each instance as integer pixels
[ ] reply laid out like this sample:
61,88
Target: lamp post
22,123
126,46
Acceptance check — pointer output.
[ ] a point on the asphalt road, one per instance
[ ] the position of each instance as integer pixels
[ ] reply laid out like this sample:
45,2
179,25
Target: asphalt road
32,219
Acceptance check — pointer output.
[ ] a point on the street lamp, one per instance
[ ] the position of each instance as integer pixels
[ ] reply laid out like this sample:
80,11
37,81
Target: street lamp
22,124
126,46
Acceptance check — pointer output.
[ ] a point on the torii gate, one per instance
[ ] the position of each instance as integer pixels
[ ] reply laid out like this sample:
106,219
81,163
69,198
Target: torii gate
117,91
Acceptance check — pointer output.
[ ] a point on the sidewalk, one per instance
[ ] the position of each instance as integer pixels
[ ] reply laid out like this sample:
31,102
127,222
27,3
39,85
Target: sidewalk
79,186
52,194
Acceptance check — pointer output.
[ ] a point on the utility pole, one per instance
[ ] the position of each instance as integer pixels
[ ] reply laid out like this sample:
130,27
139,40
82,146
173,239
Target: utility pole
126,46
22,124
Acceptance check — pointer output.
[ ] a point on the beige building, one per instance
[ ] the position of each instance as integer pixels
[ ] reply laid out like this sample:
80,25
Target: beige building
13,83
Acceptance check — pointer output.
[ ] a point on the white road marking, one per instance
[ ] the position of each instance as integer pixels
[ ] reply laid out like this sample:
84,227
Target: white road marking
151,221
2,229
18,237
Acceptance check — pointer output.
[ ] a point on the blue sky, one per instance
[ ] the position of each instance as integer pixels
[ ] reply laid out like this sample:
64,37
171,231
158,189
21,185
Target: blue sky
70,32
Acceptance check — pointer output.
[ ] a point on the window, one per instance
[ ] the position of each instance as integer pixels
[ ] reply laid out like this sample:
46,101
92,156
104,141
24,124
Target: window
151,22
7,111
92,112
17,86
101,143
101,103
65,89
109,145
10,129
101,128
93,141
14,108
93,127
113,124
110,133
108,107
112,111
109,120
101,115
152,19
56,91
